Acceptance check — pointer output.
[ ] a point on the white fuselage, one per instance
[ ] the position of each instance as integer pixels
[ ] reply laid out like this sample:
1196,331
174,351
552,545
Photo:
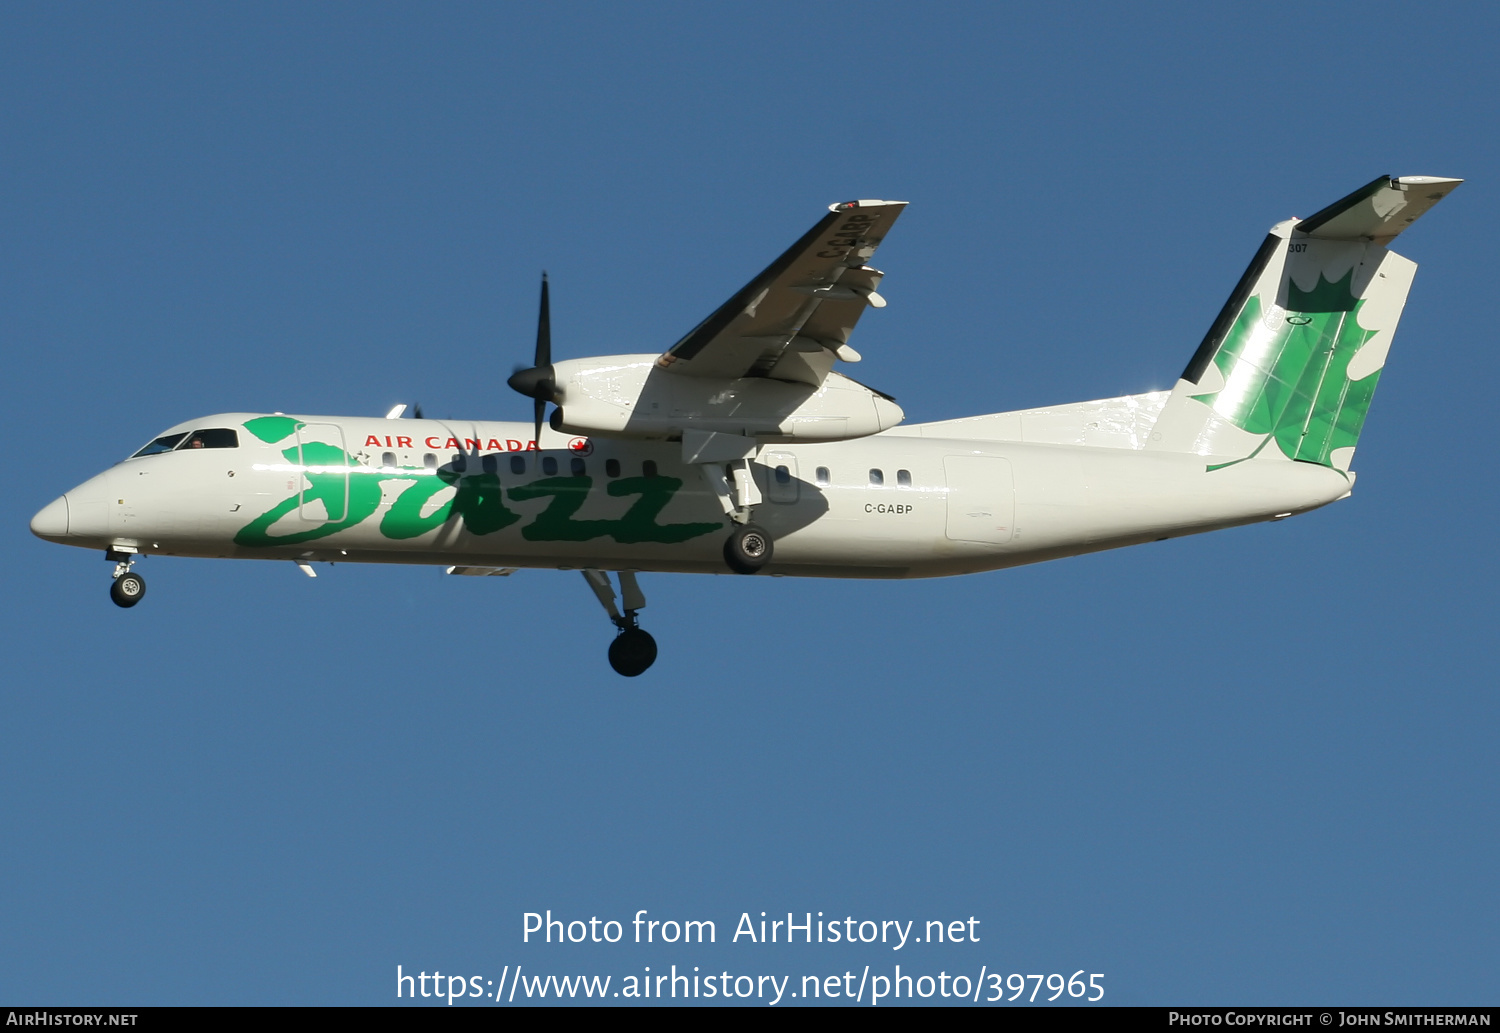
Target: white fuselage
917,501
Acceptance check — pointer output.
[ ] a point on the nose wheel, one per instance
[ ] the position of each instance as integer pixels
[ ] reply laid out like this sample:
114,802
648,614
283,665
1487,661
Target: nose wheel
127,589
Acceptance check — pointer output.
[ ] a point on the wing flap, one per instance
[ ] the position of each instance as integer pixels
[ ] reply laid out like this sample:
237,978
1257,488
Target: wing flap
790,321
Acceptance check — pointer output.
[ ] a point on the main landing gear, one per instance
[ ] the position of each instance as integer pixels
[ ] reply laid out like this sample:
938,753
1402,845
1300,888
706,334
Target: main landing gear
749,546
127,588
633,649
747,549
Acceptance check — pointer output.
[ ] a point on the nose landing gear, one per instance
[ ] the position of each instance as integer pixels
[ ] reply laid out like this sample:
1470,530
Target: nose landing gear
633,650
127,589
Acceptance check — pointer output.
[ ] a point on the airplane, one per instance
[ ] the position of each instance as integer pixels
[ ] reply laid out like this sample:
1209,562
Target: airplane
741,449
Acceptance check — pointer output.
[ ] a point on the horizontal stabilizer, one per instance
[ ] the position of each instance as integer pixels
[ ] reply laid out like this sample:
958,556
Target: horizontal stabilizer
1380,210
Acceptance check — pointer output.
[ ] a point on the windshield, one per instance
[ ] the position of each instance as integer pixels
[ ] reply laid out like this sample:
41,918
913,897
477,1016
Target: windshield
216,437
165,443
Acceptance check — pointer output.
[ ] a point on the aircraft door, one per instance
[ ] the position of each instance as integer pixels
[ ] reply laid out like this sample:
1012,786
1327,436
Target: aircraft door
781,476
325,472
981,499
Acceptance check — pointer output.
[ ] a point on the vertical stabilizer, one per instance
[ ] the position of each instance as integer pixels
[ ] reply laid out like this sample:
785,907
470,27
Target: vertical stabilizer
1289,367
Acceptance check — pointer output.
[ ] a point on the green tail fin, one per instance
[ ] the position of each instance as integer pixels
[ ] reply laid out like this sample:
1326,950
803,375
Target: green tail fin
1296,353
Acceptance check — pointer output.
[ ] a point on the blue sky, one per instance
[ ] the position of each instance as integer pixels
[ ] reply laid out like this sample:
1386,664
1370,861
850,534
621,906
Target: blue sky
1256,766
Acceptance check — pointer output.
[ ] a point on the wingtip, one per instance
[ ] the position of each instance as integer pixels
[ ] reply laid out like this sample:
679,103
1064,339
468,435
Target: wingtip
844,206
1428,181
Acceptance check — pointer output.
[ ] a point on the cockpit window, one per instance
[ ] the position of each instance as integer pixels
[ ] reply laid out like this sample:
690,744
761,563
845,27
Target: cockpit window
165,443
217,438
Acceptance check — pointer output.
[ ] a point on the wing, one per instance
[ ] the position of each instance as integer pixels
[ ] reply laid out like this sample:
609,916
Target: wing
791,321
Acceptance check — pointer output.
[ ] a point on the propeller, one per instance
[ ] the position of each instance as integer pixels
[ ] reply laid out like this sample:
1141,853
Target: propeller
539,382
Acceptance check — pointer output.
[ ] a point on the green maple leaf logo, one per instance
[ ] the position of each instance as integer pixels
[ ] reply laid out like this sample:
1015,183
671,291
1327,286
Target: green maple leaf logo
1288,376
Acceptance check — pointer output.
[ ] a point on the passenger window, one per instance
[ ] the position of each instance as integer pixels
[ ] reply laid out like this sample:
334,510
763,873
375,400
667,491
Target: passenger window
903,478
165,443
549,466
822,476
577,466
490,464
612,467
517,464
388,460
876,478
218,438
648,468
460,462
430,461
783,475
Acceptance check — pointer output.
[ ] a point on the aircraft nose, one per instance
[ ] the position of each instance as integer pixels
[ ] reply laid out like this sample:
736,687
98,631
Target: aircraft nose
52,521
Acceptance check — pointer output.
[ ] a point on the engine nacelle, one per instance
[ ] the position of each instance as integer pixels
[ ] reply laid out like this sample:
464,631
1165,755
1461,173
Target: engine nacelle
629,396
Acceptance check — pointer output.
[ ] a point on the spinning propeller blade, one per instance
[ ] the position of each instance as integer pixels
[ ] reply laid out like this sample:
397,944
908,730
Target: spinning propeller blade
538,381
544,329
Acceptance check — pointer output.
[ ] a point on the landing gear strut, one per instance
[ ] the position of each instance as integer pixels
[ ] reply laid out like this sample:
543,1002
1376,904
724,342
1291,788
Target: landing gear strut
749,545
633,649
127,589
